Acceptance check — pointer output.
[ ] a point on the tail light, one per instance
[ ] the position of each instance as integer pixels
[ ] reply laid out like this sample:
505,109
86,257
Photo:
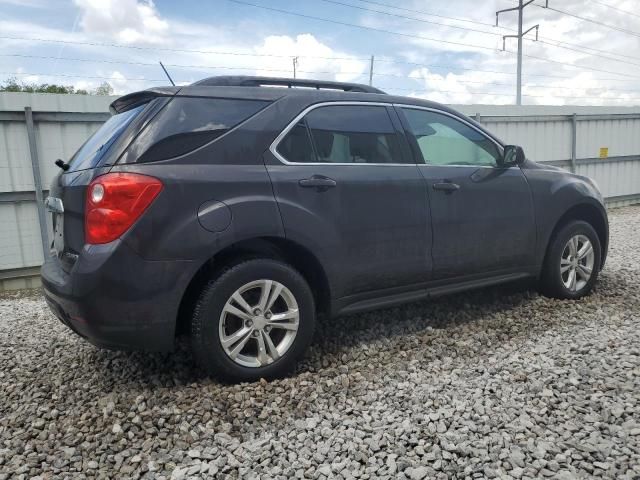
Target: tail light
114,202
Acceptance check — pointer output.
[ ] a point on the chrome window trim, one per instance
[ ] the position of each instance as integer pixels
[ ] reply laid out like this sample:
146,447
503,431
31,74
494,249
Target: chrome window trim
274,145
462,120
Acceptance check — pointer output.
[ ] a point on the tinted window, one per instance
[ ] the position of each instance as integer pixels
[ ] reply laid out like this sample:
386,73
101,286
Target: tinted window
296,146
187,123
89,154
343,134
443,140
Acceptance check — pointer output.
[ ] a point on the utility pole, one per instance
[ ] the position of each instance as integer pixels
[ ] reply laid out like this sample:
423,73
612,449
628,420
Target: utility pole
371,72
295,64
520,8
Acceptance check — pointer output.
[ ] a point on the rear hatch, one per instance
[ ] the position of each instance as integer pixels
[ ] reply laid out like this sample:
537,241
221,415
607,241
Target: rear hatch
66,201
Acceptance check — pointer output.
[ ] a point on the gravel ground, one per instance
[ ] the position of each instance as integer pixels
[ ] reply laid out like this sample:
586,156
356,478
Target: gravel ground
496,383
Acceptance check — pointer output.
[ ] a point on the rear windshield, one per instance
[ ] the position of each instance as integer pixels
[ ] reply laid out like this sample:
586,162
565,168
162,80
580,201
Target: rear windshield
90,153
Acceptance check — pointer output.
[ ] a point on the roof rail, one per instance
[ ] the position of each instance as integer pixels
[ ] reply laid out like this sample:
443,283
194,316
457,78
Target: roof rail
248,81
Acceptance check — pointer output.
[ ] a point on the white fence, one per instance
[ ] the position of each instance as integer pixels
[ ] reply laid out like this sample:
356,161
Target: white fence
36,129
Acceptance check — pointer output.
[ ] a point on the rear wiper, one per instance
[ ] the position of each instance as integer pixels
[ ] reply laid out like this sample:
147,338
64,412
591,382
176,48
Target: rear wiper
62,164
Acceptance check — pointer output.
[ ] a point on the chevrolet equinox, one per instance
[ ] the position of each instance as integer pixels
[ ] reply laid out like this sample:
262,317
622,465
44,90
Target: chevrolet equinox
237,209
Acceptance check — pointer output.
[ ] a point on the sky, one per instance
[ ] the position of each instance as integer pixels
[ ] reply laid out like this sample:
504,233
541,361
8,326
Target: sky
447,51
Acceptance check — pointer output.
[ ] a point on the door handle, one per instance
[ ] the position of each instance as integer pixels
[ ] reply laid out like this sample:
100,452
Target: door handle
319,182
447,187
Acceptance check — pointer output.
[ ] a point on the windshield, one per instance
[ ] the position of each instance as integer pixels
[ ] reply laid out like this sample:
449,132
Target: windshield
89,154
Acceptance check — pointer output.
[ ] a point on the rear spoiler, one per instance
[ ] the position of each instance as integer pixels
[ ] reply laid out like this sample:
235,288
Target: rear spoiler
132,100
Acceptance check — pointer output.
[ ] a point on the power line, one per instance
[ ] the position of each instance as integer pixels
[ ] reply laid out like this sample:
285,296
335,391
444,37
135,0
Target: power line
590,20
421,37
551,87
422,12
336,2
213,52
544,39
83,76
493,71
581,50
626,12
386,88
165,49
332,58
302,71
363,27
509,94
225,67
173,65
558,44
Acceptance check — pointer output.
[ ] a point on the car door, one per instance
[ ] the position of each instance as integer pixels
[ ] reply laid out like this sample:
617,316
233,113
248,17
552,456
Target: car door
481,211
350,192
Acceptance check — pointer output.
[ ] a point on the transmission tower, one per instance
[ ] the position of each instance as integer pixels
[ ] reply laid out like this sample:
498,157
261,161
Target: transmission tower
520,8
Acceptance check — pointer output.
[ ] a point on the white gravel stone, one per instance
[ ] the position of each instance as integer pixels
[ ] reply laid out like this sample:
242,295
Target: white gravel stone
498,383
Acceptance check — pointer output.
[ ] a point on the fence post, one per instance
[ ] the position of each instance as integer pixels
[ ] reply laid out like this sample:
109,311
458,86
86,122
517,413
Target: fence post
477,117
37,181
574,137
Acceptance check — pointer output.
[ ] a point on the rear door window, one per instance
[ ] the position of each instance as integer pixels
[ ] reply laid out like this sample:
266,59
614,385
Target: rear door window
187,123
343,134
90,153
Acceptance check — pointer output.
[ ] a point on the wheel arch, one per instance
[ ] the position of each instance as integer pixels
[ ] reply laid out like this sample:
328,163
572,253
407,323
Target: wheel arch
594,216
276,248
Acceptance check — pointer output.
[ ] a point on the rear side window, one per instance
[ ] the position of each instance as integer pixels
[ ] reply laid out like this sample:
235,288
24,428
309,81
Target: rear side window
187,123
90,153
296,146
343,134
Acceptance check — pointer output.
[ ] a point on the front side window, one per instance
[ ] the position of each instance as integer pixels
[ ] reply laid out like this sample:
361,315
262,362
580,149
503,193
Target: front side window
343,134
443,140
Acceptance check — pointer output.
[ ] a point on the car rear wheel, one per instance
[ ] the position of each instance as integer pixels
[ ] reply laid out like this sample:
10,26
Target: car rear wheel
255,320
573,262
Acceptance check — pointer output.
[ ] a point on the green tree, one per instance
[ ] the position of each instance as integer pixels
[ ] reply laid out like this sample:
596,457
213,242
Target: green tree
103,89
13,85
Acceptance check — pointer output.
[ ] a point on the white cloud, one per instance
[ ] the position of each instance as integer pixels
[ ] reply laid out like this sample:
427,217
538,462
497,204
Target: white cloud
125,21
315,59
448,73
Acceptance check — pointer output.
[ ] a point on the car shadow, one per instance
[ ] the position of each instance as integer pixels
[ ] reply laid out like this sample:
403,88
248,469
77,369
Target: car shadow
336,337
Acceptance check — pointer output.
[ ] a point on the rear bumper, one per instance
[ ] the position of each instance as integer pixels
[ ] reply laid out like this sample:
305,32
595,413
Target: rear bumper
116,299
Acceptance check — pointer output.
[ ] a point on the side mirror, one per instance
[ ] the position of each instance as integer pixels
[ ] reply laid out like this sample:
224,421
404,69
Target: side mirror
513,155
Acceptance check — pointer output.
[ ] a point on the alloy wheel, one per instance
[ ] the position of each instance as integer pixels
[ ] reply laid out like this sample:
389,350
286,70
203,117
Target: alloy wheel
259,323
576,263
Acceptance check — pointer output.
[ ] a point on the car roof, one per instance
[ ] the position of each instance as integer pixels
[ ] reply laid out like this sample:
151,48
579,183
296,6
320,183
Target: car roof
271,89
254,81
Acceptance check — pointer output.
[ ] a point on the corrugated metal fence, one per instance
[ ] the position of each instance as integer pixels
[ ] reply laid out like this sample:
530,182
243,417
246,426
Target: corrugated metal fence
36,129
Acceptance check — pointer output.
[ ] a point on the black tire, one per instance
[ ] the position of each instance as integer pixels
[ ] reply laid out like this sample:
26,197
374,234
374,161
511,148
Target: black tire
551,282
205,324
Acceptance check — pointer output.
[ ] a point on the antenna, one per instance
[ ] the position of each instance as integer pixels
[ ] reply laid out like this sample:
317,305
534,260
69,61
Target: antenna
166,73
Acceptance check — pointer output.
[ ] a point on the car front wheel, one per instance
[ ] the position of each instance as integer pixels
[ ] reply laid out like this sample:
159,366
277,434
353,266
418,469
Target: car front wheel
253,321
573,262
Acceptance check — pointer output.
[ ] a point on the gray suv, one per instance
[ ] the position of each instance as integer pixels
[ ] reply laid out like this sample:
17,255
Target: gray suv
238,209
